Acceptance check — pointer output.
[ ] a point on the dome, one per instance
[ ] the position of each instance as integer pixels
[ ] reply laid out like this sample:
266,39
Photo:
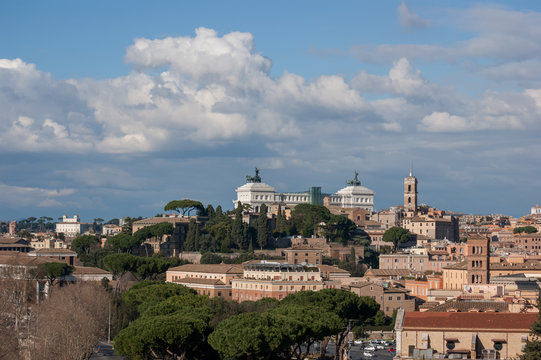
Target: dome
355,190
255,186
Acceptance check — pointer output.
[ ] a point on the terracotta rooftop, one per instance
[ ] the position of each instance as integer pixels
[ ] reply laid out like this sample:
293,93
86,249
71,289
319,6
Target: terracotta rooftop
303,247
390,272
463,265
385,289
48,252
87,270
23,260
199,281
332,269
12,240
477,321
210,268
472,306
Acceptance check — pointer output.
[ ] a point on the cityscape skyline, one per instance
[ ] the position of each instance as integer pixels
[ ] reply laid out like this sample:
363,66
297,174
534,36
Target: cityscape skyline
115,109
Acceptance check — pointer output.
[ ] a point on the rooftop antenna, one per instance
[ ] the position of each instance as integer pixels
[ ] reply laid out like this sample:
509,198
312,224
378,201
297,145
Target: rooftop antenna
411,168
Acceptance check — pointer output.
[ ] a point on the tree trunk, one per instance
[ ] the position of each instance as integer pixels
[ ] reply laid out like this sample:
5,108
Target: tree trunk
323,348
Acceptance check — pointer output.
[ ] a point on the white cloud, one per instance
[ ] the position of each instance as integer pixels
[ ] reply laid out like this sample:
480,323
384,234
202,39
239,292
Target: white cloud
410,19
13,195
444,122
500,35
402,79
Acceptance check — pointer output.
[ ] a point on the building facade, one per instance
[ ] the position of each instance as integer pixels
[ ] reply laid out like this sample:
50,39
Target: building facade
389,298
275,280
433,227
462,335
72,226
256,193
213,280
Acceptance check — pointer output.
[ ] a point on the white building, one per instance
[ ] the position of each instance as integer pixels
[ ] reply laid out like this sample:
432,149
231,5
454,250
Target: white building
255,193
536,210
72,226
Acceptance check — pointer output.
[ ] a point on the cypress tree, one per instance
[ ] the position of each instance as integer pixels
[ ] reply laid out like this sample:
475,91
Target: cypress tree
262,227
237,228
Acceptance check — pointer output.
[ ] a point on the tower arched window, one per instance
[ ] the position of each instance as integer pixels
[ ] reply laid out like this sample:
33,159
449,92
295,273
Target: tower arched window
409,188
409,200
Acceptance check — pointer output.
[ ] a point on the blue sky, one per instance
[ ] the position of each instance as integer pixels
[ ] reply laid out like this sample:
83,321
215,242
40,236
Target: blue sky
113,108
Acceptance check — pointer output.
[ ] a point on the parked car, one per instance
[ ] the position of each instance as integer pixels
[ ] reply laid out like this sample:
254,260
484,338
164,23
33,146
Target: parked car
358,342
391,350
370,348
368,354
380,347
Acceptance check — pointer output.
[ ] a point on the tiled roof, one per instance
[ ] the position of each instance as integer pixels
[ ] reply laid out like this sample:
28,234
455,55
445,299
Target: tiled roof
471,306
463,265
477,321
303,247
210,268
55,251
12,240
332,269
87,270
195,281
385,289
23,260
390,272
528,265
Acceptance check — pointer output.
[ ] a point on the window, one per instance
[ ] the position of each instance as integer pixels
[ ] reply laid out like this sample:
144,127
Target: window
219,293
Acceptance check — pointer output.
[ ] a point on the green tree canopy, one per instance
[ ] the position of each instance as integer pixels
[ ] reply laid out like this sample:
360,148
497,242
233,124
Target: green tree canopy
123,242
397,235
307,217
525,229
251,336
175,327
306,324
53,270
339,229
145,294
83,243
345,304
184,206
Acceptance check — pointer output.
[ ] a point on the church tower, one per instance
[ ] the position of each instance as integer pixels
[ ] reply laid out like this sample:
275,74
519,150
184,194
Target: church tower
410,192
478,259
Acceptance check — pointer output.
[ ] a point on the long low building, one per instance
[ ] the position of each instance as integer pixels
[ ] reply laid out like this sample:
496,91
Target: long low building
462,335
255,280
213,280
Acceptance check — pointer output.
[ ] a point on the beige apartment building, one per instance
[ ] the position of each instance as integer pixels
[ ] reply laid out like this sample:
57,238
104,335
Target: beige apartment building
304,254
462,335
530,242
275,280
434,262
389,298
213,280
444,227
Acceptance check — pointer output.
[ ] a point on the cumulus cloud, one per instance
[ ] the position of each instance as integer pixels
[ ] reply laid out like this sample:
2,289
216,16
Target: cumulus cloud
196,91
23,196
402,80
410,19
209,88
443,122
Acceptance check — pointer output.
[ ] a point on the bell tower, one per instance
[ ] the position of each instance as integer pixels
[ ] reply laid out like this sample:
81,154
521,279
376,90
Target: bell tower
478,260
410,192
